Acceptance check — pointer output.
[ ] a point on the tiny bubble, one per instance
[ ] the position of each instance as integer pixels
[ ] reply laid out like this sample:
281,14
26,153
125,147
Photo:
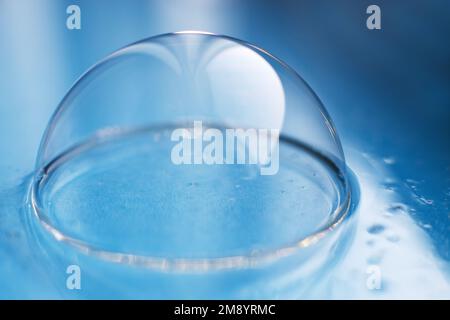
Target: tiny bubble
425,225
376,229
412,181
425,201
389,186
397,208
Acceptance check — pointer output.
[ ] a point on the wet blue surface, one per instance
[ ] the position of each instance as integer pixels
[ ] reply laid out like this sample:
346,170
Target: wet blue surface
387,92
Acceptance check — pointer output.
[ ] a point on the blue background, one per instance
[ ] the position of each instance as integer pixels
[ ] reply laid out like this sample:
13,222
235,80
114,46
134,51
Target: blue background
388,91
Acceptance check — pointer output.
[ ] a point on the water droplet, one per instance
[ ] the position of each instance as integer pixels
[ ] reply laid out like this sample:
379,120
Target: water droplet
425,225
389,160
375,229
424,200
398,208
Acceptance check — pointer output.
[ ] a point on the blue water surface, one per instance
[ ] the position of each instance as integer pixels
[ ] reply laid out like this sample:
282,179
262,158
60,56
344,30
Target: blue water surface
387,91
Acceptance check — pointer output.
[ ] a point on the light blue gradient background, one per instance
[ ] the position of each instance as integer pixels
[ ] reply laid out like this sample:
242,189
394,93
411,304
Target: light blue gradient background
388,91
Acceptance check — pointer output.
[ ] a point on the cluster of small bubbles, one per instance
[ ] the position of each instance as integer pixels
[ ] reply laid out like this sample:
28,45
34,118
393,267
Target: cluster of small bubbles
390,185
377,230
412,184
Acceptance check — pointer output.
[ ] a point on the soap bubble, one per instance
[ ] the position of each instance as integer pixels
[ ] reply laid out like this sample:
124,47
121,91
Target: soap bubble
107,183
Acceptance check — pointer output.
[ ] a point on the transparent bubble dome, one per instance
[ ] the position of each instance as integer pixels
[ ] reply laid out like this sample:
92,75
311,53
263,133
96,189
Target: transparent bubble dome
107,182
